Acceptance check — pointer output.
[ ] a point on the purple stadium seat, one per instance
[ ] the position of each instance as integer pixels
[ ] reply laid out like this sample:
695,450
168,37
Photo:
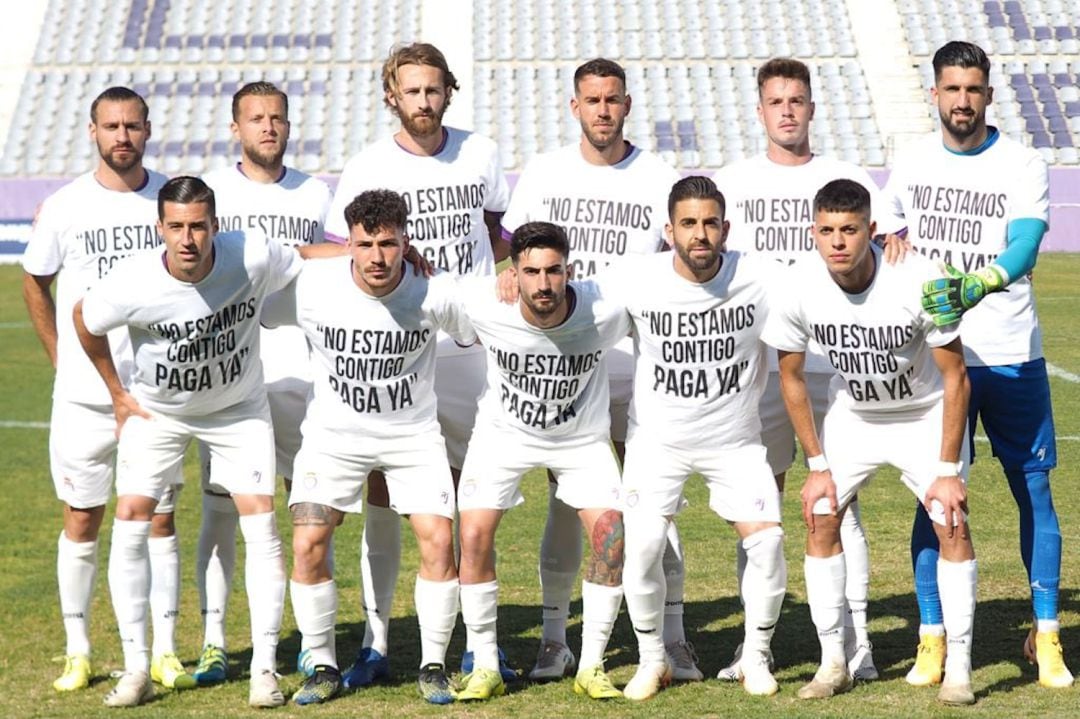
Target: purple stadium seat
301,41
1040,79
1047,94
1058,124
142,89
1039,138
173,41
311,147
295,88
665,143
1064,32
318,87
1028,108
216,41
1061,79
185,88
207,89
1033,124
174,147
1072,109
195,41
280,41
220,148
162,88
1062,139
323,40
1043,33
237,40
259,40
229,88
197,147
153,148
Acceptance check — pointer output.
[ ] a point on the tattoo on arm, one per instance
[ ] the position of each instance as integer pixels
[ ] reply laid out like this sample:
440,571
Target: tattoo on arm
607,543
309,513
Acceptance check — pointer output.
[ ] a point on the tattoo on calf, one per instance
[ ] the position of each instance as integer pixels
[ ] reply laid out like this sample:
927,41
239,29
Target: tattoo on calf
309,513
607,543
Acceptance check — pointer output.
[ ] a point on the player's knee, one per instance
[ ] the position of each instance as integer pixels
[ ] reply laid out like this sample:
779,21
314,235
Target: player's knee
135,508
309,553
83,525
163,525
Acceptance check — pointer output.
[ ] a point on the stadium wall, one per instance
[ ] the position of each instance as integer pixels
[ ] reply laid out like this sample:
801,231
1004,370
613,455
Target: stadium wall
20,197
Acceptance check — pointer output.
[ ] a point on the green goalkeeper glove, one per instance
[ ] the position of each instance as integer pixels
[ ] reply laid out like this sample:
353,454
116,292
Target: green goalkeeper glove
949,297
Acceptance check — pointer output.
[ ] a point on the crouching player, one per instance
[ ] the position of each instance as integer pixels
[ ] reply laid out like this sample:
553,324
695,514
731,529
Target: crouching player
545,405
700,371
372,328
901,396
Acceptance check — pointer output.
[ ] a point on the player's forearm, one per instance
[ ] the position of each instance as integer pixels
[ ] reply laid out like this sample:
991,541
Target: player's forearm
950,360
500,245
97,349
797,401
42,310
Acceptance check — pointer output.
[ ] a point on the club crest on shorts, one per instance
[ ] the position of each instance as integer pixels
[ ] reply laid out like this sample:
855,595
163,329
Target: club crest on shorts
310,480
468,488
632,498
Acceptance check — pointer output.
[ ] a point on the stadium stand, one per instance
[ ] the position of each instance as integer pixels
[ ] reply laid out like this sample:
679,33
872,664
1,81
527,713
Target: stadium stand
691,68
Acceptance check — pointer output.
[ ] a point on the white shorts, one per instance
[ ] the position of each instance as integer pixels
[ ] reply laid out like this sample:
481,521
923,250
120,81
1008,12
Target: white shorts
459,379
620,367
777,434
240,440
331,470
287,410
856,447
741,485
82,451
585,470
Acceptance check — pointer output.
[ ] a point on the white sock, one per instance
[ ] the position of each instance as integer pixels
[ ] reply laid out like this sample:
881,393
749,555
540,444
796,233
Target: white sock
264,579
1041,625
825,594
599,610
957,581
315,608
560,560
215,564
129,586
931,630
436,612
479,611
675,579
76,569
380,559
763,586
643,581
164,592
857,588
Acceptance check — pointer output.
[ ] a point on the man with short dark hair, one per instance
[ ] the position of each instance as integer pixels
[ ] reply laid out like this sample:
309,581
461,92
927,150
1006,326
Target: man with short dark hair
80,233
265,200
900,398
372,328
545,405
978,202
608,195
192,313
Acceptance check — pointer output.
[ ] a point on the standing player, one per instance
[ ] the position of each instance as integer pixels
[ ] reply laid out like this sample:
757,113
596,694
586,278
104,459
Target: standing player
81,231
900,399
372,327
454,187
609,197
977,201
768,198
192,314
699,372
267,202
545,405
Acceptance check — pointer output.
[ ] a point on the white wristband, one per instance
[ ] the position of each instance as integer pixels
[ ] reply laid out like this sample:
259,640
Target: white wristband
817,463
948,469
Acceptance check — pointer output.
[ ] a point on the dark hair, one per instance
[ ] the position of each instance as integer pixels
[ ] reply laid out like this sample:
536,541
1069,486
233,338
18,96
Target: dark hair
118,94
533,235
843,196
261,89
418,53
185,190
694,187
376,210
600,67
786,67
959,53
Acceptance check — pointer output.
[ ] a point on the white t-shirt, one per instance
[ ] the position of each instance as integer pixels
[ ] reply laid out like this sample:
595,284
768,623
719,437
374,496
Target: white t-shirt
878,341
958,208
291,211
546,383
196,346
700,365
447,195
608,211
374,356
83,229
770,208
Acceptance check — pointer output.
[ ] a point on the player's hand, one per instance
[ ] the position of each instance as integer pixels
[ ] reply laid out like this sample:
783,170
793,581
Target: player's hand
419,264
894,248
506,286
125,407
818,485
949,494
949,297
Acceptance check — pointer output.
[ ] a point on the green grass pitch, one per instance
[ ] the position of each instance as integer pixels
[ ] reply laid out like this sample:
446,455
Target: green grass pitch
32,635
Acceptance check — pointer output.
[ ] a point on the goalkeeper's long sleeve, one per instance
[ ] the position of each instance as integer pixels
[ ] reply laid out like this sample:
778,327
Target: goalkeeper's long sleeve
1022,250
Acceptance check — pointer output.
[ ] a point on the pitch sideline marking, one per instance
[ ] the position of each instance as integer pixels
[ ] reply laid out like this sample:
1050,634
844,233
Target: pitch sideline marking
1054,371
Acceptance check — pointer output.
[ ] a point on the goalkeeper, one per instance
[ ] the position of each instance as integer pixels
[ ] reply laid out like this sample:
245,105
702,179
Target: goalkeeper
978,201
